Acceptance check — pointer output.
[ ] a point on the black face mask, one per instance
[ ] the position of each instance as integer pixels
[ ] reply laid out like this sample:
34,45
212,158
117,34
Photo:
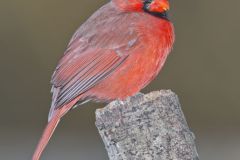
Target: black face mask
162,15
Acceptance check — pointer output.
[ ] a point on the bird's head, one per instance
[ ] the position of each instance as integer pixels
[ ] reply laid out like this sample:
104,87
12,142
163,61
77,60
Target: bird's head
154,6
158,6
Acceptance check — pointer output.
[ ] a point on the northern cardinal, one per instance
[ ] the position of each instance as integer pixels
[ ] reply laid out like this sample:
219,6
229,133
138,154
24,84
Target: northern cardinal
118,51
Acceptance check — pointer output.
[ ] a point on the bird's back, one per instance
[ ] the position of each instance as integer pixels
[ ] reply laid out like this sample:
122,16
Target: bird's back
117,35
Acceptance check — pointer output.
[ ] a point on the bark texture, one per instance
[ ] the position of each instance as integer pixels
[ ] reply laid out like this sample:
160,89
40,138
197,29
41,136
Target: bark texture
146,127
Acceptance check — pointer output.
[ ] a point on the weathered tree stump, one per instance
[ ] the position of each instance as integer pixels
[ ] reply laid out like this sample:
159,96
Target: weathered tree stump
146,127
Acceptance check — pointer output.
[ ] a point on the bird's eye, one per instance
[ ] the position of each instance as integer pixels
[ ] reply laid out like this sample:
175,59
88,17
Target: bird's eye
147,1
146,4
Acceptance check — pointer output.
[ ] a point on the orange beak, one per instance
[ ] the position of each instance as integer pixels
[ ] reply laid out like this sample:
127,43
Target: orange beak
159,6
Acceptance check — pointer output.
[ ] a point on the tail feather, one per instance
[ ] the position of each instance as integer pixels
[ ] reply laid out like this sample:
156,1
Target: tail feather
51,126
48,132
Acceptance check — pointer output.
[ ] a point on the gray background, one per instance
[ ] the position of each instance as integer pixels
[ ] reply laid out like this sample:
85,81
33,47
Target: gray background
203,70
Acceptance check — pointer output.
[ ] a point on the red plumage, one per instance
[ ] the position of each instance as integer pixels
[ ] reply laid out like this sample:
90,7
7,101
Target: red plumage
113,55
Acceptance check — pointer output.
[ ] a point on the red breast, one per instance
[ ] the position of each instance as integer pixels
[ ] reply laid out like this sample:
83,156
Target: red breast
143,63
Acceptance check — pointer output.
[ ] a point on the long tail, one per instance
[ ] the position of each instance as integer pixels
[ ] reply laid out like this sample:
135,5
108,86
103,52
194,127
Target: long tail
51,126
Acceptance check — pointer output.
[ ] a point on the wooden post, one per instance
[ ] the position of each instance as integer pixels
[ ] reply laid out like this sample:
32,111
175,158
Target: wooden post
146,127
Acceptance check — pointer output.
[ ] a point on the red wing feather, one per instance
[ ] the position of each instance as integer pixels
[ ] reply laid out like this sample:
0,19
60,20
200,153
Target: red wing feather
81,73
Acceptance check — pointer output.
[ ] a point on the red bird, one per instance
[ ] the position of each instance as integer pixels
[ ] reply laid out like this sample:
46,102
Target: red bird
117,52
